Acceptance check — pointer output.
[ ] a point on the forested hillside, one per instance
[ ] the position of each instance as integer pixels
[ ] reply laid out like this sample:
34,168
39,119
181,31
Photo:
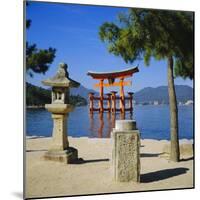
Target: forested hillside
37,96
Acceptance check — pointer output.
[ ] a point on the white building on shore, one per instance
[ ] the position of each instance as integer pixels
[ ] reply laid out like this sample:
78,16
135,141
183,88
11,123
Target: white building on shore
189,102
155,103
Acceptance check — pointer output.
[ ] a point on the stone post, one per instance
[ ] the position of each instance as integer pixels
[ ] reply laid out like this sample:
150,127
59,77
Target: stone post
130,101
122,98
113,100
91,99
101,96
109,101
125,151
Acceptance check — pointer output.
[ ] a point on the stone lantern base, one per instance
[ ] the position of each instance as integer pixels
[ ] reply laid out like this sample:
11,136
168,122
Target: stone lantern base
68,156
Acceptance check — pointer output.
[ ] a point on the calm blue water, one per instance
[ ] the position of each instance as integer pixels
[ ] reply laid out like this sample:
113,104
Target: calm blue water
152,121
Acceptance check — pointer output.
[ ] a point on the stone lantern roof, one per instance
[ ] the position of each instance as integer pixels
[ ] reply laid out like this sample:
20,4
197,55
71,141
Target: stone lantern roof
61,79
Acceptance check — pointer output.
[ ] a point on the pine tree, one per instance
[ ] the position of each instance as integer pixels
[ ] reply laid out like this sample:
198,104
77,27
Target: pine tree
168,35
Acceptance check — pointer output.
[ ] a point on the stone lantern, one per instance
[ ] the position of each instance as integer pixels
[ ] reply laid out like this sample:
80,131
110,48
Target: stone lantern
61,83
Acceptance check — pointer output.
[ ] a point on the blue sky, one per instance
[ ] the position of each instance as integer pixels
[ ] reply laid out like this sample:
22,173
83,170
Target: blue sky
73,31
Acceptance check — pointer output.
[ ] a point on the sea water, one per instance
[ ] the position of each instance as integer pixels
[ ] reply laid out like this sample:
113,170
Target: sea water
152,121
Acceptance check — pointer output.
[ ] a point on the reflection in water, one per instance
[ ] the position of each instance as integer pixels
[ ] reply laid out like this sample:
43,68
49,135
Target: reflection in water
101,120
152,121
106,123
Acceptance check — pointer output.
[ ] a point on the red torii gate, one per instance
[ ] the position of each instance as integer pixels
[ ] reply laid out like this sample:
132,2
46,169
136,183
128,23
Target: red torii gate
111,97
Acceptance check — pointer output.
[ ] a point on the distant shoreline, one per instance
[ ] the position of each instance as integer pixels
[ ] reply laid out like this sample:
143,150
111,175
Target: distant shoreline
86,137
181,140
43,106
36,106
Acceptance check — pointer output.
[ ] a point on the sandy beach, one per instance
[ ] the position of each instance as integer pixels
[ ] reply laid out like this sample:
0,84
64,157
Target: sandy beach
93,174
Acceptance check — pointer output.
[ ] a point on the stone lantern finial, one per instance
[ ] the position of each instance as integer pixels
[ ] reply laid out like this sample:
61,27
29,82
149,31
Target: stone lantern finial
62,71
61,79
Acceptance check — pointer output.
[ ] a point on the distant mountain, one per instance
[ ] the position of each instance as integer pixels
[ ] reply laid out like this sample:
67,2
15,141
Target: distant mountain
82,91
148,94
36,95
160,94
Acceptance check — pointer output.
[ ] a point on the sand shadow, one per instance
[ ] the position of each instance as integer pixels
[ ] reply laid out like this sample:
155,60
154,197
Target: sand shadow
38,150
148,155
82,161
162,174
186,159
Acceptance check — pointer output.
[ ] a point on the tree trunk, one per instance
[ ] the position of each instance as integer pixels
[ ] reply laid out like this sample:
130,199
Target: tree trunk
174,151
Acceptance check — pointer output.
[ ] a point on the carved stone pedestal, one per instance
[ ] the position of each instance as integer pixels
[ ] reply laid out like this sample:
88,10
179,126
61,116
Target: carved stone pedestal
59,149
126,151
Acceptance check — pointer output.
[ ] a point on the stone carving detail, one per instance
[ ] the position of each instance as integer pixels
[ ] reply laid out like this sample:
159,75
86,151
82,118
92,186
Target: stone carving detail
127,146
126,154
